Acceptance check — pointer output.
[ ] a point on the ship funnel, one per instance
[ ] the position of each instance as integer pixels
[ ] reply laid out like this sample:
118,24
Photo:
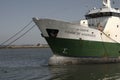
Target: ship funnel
107,3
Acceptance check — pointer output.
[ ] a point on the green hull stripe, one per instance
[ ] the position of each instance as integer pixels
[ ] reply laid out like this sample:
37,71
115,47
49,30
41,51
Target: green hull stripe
83,48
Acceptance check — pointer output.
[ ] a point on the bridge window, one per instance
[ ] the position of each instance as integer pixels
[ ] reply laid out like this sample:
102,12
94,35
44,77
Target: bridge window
104,14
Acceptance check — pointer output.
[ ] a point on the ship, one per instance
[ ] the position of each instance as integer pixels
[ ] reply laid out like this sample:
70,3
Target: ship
96,39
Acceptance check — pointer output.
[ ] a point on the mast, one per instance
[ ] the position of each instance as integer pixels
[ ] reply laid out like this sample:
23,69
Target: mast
107,3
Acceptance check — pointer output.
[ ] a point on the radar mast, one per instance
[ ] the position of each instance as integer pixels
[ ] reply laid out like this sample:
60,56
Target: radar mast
107,3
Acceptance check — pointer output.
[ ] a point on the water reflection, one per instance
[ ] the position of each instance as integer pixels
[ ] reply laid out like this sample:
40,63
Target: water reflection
31,64
86,72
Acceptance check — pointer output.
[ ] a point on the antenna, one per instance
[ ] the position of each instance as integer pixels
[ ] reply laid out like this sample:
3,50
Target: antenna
107,3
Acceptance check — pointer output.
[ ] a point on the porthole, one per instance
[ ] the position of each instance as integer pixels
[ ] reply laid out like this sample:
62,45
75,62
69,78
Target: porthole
92,32
117,26
108,34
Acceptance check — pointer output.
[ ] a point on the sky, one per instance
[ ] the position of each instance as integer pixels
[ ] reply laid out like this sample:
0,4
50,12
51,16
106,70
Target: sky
15,14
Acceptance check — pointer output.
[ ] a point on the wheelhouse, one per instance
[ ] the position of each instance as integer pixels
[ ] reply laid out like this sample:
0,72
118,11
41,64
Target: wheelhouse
102,14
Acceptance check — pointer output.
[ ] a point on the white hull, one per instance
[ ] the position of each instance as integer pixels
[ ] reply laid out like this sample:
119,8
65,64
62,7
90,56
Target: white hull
73,31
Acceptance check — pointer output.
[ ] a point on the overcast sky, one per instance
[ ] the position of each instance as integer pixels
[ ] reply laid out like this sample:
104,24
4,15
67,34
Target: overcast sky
15,14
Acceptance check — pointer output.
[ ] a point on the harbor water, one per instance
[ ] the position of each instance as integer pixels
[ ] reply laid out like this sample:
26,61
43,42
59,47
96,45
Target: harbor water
32,64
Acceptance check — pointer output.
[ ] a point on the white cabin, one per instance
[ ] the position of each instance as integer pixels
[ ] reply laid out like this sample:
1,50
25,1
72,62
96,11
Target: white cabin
105,19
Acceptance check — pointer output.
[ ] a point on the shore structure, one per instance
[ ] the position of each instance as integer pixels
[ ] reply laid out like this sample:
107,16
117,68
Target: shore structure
96,39
25,46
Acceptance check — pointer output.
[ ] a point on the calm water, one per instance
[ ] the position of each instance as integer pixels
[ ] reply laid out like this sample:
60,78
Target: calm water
32,64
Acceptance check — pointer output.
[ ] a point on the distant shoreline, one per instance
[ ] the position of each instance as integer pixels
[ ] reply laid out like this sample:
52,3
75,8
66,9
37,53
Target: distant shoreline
24,46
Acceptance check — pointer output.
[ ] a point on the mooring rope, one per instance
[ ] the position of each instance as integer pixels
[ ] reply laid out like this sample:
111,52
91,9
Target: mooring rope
104,47
16,34
110,37
21,35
